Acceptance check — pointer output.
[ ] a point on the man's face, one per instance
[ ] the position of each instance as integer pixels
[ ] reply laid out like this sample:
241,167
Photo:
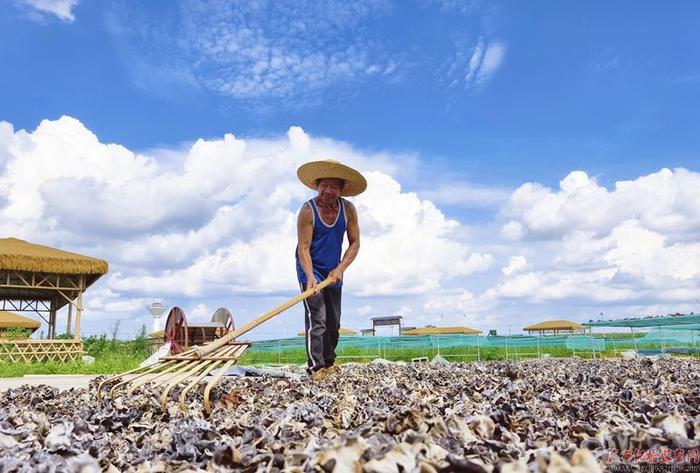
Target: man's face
329,189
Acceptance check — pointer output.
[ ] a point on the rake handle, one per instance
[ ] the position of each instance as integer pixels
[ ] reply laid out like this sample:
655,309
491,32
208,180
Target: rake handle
215,345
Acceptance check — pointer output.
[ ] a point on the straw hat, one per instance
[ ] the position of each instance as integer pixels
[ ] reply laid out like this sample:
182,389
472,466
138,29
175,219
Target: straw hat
311,172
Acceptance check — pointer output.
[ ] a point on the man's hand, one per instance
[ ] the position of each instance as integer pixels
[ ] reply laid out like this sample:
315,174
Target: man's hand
313,284
336,274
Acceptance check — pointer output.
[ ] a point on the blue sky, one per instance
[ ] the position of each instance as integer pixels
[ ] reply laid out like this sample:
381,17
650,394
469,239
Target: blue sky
608,87
461,102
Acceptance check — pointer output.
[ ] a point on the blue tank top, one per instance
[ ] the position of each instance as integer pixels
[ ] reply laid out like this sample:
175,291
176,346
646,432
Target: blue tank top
326,244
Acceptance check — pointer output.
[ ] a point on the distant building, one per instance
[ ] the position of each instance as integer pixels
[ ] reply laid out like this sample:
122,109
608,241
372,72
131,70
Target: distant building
555,327
386,321
20,327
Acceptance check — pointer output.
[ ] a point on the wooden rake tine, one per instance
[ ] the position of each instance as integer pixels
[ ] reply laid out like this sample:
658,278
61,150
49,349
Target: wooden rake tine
210,384
155,366
205,364
167,375
121,375
194,354
238,350
173,364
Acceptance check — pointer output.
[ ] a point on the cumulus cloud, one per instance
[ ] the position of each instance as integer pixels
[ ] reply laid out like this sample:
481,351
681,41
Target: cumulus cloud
542,286
515,264
666,201
218,218
63,9
636,241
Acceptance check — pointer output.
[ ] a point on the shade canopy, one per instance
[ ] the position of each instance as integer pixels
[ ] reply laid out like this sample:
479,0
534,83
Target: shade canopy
554,325
441,331
12,320
656,321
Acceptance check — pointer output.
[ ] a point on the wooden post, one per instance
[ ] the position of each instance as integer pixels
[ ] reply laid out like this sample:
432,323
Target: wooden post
52,320
79,308
70,317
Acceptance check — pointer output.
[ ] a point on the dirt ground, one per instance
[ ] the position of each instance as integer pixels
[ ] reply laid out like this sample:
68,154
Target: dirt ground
60,381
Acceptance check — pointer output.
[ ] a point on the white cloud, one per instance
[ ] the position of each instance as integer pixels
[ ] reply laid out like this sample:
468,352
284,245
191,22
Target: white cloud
450,301
364,310
466,194
637,241
200,313
492,60
474,64
515,265
665,201
459,6
63,9
219,218
214,223
543,286
512,230
289,52
645,254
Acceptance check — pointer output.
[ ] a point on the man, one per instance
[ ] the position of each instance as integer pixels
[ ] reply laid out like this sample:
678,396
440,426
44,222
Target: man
321,226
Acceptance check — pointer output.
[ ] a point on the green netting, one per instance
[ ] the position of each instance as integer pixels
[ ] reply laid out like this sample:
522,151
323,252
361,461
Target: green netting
672,335
524,341
684,327
582,343
434,342
648,321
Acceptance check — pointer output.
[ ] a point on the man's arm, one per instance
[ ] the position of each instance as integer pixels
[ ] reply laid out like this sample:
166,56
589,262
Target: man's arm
353,232
305,233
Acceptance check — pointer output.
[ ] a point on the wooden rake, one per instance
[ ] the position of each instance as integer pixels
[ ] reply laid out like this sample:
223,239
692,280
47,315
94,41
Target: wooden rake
194,364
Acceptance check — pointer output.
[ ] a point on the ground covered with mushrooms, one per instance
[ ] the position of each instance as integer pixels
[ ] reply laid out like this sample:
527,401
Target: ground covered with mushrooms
539,416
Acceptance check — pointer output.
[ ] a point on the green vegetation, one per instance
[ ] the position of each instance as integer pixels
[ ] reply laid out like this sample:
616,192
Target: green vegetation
621,335
15,333
116,356
298,355
111,356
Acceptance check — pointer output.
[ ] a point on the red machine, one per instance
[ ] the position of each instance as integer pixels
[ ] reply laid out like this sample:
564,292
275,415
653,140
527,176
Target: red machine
182,335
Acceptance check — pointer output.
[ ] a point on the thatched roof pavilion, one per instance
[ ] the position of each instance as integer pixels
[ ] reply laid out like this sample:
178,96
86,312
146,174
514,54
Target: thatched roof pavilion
41,279
20,255
9,320
341,331
442,331
554,327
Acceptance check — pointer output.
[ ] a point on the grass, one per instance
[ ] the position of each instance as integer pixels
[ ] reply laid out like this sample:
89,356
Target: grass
298,355
111,356
107,365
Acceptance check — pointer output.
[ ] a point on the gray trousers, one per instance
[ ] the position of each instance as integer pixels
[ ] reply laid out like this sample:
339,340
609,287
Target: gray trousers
322,322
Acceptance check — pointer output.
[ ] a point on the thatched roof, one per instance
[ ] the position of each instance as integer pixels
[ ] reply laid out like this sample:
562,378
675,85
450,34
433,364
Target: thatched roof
20,255
342,331
12,320
441,331
554,325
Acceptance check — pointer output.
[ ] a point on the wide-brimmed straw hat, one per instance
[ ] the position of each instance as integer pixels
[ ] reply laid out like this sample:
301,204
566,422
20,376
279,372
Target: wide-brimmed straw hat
310,173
